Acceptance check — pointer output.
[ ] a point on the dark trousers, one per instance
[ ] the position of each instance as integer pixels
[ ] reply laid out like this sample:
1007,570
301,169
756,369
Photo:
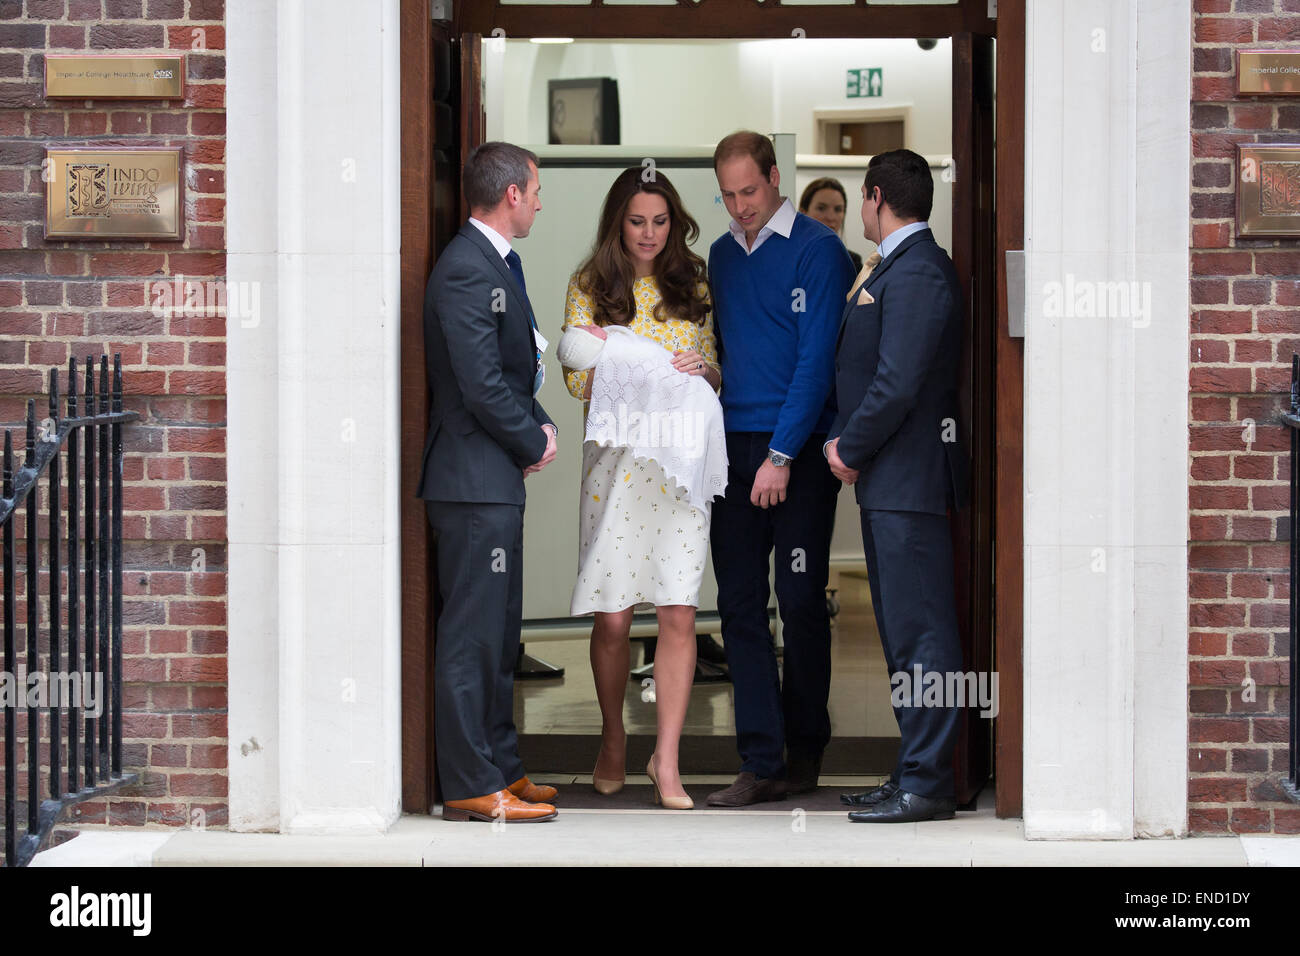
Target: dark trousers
910,571
773,715
480,580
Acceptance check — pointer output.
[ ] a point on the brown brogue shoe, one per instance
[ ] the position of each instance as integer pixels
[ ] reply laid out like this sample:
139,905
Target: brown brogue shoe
530,792
502,805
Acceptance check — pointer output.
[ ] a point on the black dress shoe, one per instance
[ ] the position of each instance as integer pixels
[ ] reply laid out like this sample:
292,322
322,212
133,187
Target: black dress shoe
869,798
904,807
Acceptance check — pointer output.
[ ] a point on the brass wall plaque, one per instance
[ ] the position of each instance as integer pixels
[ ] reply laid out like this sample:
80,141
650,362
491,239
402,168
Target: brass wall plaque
1272,72
115,76
1268,190
113,193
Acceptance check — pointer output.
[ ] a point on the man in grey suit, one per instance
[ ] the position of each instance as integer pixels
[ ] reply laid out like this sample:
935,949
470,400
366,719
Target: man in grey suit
487,432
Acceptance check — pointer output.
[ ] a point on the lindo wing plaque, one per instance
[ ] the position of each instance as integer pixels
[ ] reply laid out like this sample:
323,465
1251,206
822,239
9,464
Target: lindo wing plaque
113,193
1268,190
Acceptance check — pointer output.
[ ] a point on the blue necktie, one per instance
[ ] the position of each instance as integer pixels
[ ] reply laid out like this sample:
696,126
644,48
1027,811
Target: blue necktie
517,270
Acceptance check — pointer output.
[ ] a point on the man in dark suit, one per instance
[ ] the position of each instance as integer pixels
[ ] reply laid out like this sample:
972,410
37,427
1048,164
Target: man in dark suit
486,433
896,440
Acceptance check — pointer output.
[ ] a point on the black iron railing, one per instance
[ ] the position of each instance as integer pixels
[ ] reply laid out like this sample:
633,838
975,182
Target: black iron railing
59,694
1292,420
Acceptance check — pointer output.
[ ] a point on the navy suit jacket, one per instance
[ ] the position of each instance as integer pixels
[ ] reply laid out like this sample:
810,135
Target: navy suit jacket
485,426
896,373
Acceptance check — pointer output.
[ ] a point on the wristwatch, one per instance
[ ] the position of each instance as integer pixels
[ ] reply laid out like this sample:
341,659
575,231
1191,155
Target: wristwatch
778,459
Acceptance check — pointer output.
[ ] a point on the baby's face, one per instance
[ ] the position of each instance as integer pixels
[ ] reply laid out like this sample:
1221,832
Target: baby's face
595,330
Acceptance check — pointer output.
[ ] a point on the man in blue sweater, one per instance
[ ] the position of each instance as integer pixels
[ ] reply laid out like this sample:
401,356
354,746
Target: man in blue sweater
779,279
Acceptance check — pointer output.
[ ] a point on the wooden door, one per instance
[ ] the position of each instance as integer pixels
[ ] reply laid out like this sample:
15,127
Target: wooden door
440,71
974,255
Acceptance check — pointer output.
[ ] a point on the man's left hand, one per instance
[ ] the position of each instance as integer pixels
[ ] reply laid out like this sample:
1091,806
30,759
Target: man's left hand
840,470
549,455
769,485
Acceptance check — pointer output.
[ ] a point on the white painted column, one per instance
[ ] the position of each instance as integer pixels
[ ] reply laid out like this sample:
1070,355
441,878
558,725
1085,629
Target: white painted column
1107,194
313,230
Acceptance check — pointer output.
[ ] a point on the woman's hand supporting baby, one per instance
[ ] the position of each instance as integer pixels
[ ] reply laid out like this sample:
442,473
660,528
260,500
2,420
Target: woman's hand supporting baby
692,363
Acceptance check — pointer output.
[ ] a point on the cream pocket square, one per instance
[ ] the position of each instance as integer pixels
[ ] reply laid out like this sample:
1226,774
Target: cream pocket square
865,298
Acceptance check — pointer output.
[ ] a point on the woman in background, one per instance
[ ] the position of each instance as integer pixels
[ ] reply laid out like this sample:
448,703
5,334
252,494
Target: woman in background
641,544
825,200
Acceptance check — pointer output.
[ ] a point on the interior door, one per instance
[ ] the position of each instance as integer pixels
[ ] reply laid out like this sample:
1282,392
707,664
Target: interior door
974,255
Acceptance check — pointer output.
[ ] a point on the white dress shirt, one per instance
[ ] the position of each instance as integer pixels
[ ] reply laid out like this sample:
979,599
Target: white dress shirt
781,223
499,242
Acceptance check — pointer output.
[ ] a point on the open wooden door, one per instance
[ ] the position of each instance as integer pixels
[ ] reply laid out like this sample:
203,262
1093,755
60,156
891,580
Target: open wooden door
440,71
974,255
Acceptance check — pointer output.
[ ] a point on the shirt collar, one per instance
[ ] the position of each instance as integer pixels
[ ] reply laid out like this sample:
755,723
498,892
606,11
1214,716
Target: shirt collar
892,241
781,223
499,242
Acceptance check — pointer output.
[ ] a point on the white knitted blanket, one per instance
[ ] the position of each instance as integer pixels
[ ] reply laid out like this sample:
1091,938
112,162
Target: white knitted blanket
639,401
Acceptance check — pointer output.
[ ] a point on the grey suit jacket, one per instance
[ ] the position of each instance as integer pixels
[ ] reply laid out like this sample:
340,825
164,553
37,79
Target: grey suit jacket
484,424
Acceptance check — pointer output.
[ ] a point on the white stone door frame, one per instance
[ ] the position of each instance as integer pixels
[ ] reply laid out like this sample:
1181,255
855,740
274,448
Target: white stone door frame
312,213
1107,214
314,592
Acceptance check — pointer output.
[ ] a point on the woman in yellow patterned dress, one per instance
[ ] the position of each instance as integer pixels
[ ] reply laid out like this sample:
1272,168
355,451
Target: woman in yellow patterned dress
641,543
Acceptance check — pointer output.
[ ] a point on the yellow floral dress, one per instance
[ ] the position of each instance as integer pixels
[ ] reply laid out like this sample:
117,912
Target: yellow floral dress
640,543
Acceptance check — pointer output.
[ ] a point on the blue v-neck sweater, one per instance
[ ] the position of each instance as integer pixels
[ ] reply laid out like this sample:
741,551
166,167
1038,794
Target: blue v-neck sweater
777,317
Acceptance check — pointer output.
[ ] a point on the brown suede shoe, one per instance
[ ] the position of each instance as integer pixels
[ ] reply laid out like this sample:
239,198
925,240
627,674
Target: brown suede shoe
745,790
530,792
502,805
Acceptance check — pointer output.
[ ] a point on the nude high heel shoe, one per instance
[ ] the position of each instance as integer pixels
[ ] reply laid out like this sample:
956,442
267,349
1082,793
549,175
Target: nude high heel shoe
606,786
669,803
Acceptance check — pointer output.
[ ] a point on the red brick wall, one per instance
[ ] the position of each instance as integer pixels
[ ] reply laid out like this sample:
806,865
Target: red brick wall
86,298
1245,324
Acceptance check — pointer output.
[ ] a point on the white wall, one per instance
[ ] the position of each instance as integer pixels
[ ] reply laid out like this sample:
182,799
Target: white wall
691,93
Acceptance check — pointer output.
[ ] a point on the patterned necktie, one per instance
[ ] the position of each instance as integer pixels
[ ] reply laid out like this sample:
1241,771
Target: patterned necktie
873,260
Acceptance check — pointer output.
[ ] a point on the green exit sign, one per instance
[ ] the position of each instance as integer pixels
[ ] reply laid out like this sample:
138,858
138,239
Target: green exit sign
868,82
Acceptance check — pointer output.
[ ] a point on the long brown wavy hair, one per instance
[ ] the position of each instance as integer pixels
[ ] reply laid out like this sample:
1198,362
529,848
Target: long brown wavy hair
608,273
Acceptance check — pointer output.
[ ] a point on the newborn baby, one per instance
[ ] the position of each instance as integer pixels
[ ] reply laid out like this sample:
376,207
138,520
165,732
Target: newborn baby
580,346
642,401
